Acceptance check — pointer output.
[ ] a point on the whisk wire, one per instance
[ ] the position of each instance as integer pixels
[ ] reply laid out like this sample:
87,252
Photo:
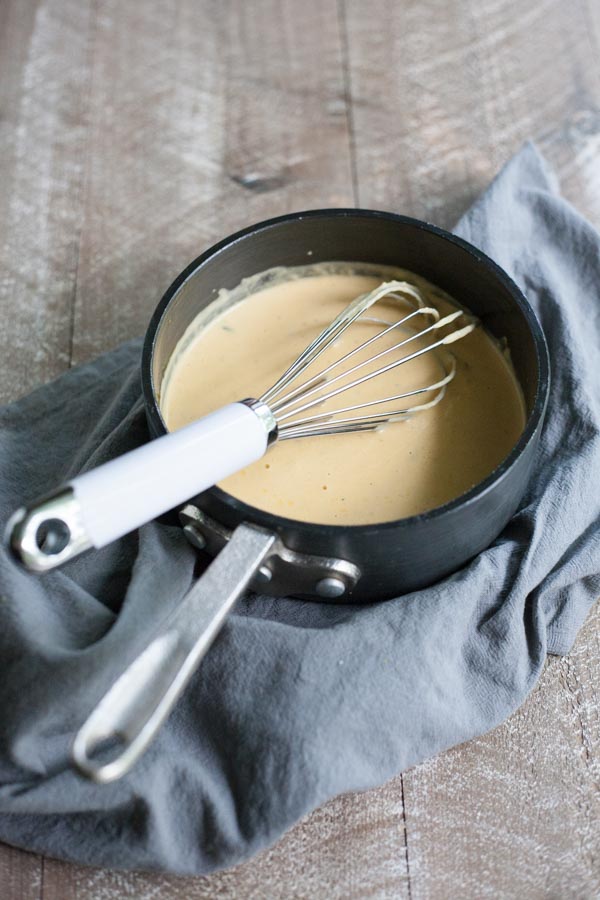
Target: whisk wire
321,398
309,421
288,403
341,322
302,391
284,401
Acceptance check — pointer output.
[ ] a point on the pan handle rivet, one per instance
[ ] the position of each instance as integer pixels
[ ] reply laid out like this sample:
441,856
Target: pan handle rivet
330,588
195,537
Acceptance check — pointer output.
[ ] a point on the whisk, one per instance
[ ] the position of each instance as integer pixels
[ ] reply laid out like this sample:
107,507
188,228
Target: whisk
105,503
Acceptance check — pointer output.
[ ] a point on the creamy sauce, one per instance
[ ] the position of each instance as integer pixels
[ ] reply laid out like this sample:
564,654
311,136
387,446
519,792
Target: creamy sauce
241,344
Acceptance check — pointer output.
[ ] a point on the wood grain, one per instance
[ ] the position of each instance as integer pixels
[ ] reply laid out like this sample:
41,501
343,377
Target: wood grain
196,132
20,874
516,812
132,136
44,110
312,860
440,99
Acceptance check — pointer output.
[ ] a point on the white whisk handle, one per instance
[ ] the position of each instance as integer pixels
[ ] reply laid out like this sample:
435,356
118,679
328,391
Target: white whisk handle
132,489
105,503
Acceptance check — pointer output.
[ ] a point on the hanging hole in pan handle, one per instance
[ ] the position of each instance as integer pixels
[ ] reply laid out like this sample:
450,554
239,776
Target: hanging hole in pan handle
127,718
124,722
101,755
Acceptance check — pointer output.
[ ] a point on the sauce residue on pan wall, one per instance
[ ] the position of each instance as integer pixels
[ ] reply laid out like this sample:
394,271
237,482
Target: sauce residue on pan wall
239,345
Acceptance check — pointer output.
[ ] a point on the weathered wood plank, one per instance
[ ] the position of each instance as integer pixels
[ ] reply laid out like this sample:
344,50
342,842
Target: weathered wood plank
198,131
350,849
20,874
44,82
43,135
441,97
573,145
515,813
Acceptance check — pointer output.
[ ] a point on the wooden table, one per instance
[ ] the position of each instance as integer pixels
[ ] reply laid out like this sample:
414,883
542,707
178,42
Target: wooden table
134,134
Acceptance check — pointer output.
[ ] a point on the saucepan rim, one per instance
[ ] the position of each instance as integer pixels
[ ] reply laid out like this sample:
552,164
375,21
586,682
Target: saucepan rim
245,511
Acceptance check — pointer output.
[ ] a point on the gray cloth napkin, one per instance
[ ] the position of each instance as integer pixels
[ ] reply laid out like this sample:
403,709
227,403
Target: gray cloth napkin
296,701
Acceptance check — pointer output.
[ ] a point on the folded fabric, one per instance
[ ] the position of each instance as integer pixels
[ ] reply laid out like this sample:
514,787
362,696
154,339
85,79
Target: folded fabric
296,701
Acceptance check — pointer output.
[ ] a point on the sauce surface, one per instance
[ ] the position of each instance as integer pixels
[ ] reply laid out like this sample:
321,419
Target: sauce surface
241,344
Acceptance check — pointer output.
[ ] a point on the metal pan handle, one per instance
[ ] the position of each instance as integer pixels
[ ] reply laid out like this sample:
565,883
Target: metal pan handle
131,712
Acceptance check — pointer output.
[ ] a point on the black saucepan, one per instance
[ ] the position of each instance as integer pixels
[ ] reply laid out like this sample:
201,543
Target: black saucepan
393,557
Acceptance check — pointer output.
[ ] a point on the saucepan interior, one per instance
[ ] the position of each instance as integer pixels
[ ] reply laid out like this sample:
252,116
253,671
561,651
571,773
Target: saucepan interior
393,557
